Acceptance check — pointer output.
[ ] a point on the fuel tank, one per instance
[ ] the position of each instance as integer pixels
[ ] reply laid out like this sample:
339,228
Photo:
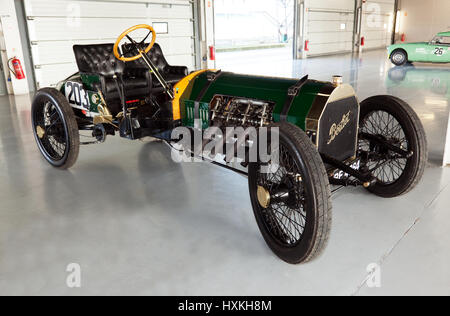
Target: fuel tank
327,112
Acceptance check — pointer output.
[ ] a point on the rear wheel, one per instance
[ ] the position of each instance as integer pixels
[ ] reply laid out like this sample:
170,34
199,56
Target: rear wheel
291,198
55,128
399,57
395,122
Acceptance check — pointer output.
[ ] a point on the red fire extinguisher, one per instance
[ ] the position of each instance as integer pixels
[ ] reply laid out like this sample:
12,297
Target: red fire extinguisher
403,37
306,46
212,53
17,69
363,41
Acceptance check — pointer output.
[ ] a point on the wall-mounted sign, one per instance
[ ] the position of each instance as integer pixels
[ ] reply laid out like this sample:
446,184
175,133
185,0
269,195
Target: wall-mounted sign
161,27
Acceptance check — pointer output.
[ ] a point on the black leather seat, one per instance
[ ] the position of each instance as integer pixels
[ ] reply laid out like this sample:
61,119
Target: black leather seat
172,74
99,60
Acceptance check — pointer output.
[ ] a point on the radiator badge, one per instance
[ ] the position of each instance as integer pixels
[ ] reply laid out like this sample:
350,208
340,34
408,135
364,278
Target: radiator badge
336,129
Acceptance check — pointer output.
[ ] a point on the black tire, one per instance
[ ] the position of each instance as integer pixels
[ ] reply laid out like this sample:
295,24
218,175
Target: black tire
399,57
55,128
308,200
394,120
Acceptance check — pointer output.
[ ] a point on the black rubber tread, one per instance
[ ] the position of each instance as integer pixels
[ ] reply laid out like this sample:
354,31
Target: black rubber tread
412,126
318,178
404,53
59,100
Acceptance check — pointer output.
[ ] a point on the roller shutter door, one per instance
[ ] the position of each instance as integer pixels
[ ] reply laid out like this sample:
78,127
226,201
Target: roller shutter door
377,25
330,26
55,26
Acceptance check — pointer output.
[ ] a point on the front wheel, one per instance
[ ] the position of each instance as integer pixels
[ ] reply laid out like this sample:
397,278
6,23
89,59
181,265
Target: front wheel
399,57
55,128
291,198
395,122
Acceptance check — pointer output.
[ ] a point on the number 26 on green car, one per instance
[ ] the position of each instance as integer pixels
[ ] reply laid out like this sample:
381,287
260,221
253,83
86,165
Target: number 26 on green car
435,51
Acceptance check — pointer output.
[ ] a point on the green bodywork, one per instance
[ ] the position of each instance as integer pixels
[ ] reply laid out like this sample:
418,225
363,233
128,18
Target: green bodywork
273,90
89,81
253,87
188,113
86,84
433,51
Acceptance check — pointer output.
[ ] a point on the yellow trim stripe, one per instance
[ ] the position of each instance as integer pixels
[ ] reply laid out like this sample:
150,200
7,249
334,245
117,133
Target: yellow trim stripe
179,89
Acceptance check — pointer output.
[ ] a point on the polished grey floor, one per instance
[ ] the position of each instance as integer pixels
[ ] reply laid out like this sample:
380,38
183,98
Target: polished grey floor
138,223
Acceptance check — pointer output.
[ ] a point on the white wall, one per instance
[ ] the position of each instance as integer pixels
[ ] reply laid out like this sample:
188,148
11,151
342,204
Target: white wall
447,146
377,23
12,44
206,32
55,26
323,21
421,19
329,25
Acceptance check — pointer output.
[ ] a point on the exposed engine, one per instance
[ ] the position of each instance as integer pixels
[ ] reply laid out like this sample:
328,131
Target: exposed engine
235,111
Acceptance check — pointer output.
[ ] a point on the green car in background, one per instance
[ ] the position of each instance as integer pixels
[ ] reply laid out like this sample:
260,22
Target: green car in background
435,51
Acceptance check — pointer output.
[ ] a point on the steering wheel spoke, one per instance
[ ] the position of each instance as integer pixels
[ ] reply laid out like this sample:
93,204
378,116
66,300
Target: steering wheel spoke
132,41
145,38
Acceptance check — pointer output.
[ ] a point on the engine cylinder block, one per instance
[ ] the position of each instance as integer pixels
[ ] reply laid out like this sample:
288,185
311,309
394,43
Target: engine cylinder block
236,111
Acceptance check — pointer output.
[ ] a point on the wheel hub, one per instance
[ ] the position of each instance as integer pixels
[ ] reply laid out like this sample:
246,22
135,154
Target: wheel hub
40,132
398,57
263,197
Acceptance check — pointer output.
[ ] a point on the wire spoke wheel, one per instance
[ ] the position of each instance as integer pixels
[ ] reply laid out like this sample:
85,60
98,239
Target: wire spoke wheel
395,123
52,132
389,166
55,128
285,216
290,196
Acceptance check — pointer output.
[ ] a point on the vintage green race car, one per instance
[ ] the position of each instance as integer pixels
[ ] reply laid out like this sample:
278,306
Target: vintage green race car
435,51
293,138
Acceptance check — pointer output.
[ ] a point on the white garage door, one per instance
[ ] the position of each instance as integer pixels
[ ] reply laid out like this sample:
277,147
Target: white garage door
377,24
330,26
55,26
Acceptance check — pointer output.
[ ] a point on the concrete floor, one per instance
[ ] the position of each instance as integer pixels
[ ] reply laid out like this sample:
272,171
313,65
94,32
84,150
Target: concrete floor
138,223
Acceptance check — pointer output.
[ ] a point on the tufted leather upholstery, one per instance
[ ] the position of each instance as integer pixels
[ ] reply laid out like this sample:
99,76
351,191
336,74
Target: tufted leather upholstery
172,74
99,59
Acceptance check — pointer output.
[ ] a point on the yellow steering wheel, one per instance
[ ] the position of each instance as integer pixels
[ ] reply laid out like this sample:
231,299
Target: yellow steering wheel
131,29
